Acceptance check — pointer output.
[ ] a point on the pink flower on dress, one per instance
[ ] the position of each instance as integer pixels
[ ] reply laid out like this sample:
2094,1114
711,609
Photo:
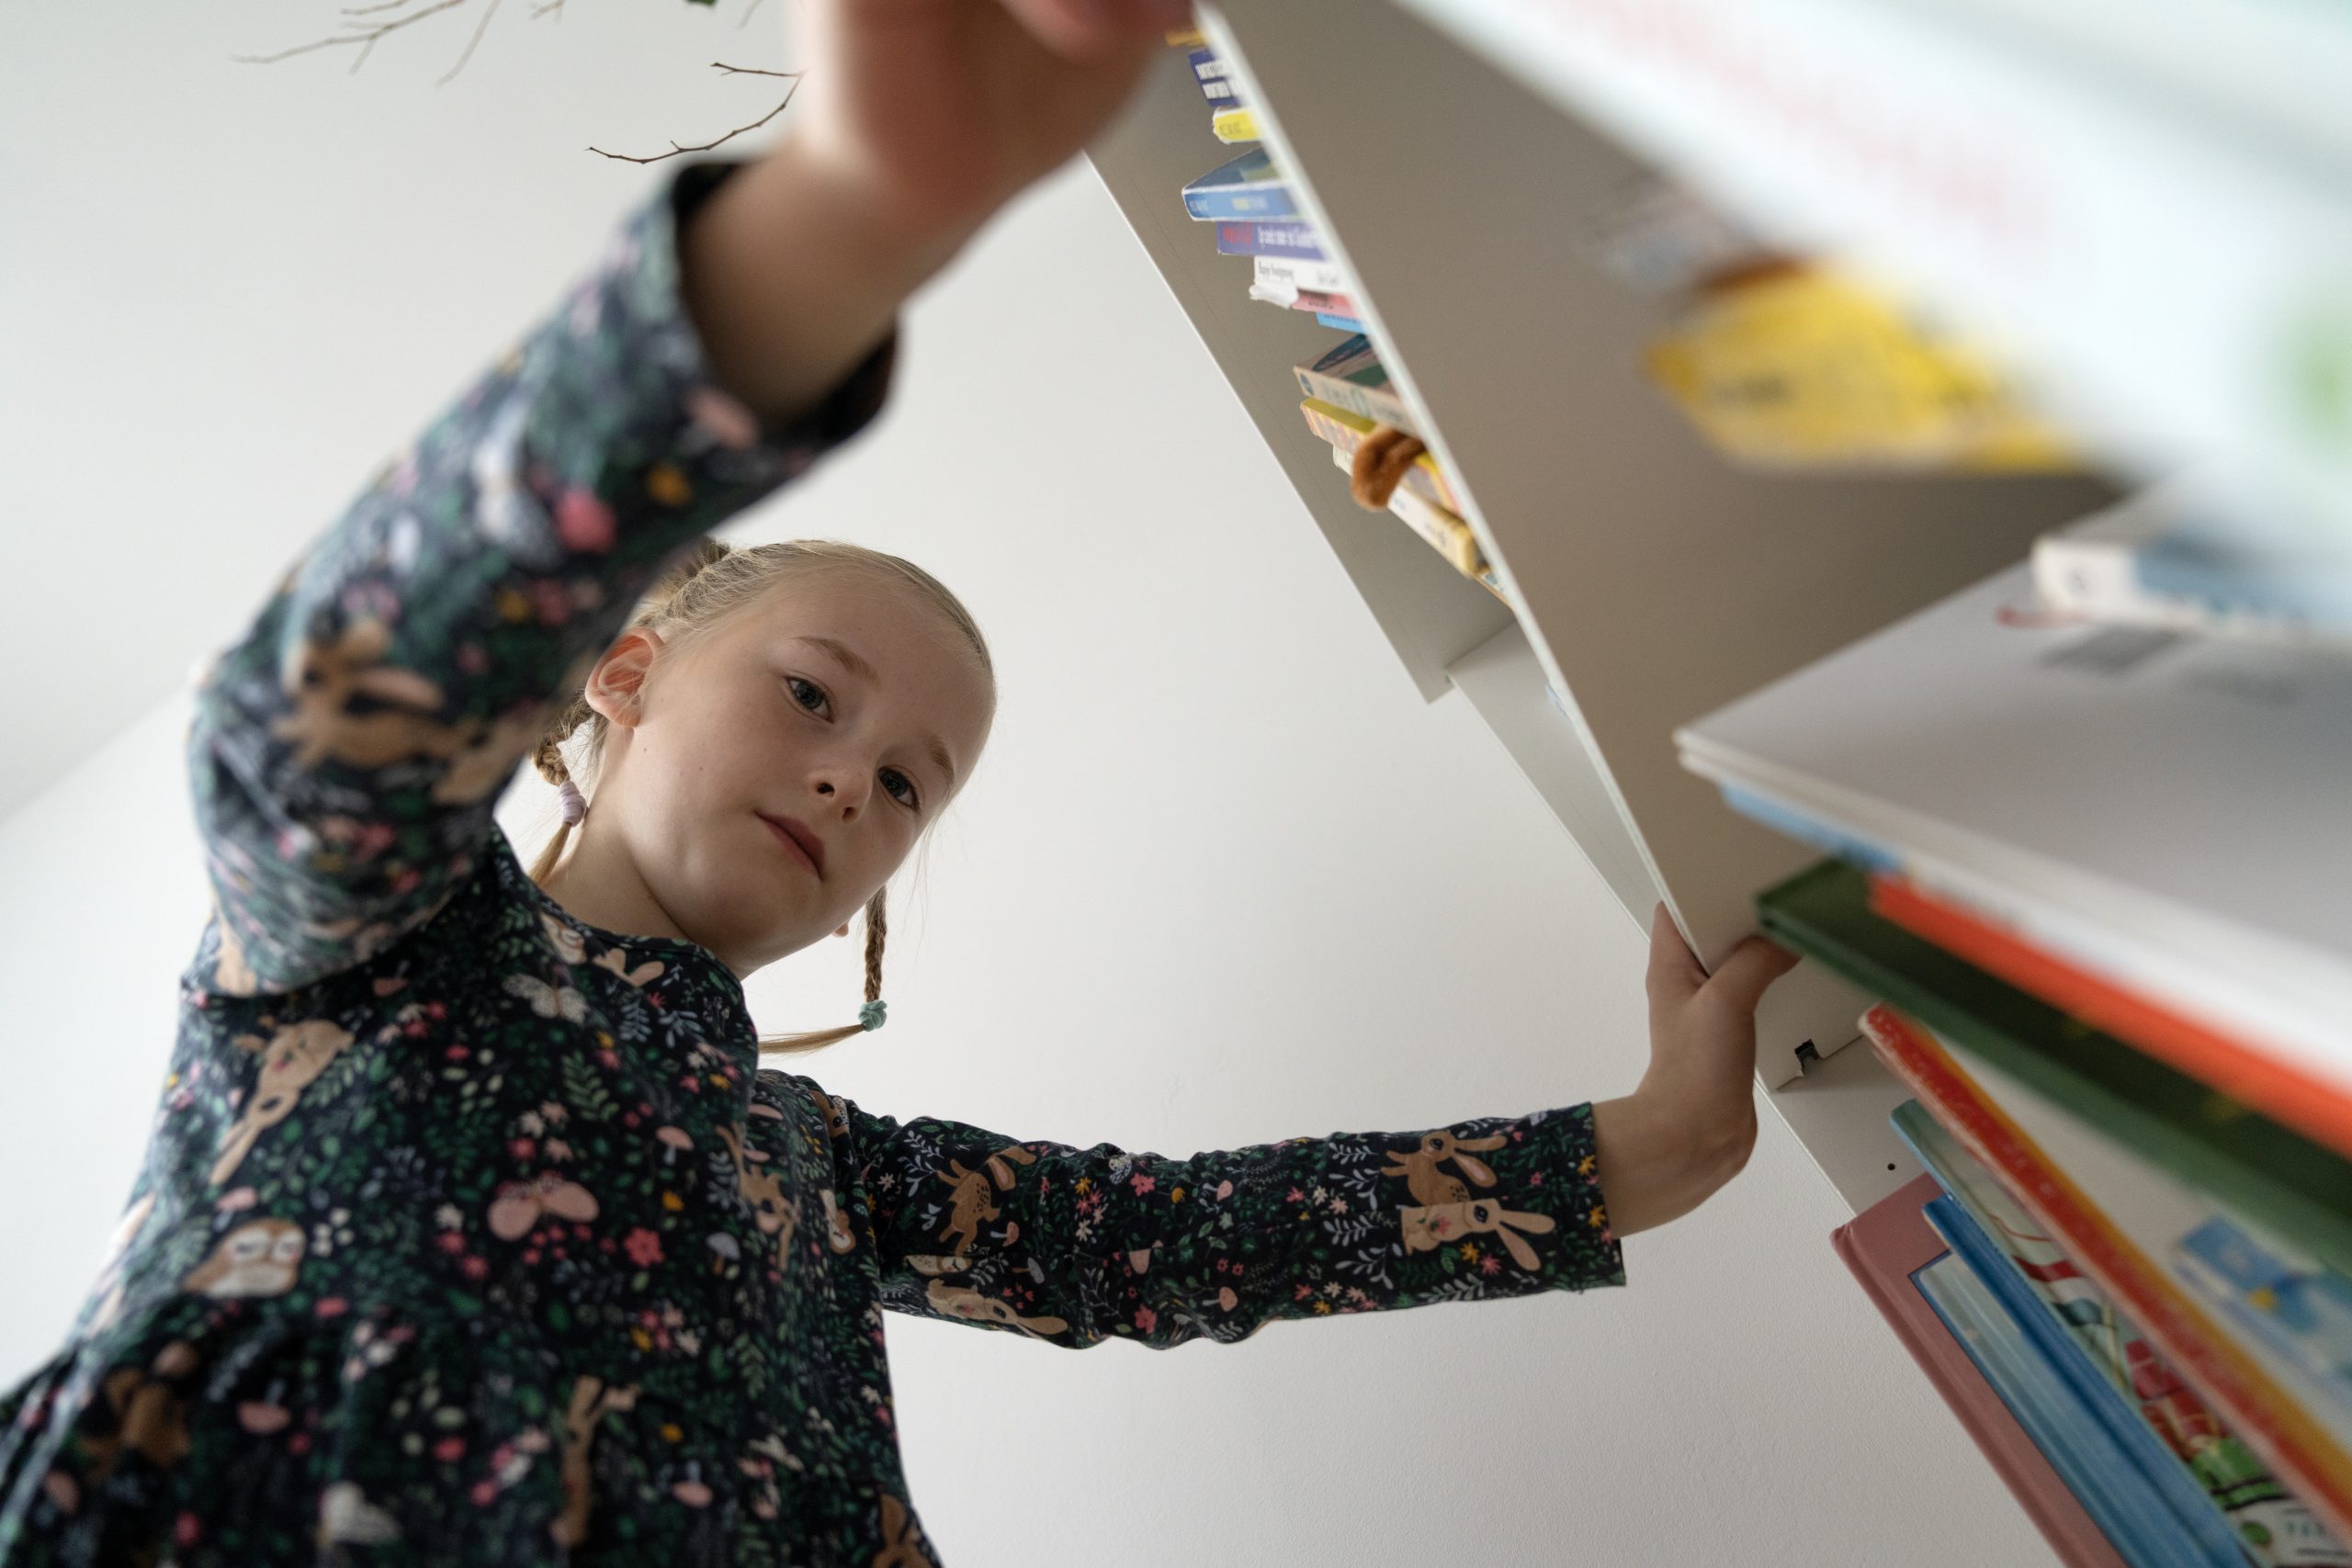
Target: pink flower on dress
644,1247
448,1450
1146,1319
584,523
1142,1184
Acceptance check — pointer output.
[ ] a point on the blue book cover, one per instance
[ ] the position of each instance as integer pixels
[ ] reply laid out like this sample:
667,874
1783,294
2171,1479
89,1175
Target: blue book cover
2031,1392
1345,323
1285,239
2204,1536
1245,186
2078,1447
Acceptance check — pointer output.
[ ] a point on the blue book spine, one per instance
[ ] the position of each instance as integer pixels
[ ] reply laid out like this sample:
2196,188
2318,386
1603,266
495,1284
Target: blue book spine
2193,1531
1805,829
1299,240
1345,323
1980,1327
1235,201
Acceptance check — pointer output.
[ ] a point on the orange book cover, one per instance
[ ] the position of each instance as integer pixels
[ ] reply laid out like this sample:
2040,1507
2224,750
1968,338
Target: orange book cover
2280,1090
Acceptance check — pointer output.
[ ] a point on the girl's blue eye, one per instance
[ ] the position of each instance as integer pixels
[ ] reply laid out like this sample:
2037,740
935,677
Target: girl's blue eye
912,798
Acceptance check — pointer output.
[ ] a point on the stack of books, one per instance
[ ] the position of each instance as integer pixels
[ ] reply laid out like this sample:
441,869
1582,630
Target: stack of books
1347,396
2095,875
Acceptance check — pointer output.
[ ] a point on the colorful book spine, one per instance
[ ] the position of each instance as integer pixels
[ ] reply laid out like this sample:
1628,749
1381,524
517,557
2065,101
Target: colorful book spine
1346,430
1352,377
1889,1247
2270,1417
1215,76
1269,240
1234,122
1344,323
1294,275
2100,1437
1245,186
2270,1082
2221,1494
2166,1117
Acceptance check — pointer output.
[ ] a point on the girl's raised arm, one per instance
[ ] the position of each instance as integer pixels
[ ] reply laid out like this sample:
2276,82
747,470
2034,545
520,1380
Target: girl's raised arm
346,752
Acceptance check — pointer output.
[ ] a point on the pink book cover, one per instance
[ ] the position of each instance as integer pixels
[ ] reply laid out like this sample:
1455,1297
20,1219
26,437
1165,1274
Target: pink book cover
1885,1245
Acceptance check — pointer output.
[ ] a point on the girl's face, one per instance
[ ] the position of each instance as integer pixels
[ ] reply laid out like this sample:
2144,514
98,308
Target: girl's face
863,746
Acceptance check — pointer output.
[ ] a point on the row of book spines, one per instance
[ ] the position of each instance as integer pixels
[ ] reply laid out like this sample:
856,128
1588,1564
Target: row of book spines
2299,1190
2161,1472
2272,1418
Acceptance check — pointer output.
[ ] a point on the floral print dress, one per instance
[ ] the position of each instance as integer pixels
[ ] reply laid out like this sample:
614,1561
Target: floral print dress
469,1233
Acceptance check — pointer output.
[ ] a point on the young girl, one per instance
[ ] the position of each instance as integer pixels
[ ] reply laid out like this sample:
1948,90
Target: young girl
472,1230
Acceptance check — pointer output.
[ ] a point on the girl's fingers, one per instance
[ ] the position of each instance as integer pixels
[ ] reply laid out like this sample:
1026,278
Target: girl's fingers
1675,971
1087,31
1753,965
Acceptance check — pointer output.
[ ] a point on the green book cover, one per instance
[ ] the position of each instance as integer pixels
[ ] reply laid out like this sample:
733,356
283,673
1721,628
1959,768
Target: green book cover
2273,1174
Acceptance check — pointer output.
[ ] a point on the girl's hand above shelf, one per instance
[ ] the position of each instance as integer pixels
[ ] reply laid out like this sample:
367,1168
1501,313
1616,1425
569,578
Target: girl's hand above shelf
914,123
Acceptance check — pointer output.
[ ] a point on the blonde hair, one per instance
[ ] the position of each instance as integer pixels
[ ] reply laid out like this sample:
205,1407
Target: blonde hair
706,584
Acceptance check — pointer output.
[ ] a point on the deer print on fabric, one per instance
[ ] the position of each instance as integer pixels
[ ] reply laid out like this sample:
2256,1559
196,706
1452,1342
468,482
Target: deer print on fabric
1443,1209
962,1301
291,1060
775,1214
590,1401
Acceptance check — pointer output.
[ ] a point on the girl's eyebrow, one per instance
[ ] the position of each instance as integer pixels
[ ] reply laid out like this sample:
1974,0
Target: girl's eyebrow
855,662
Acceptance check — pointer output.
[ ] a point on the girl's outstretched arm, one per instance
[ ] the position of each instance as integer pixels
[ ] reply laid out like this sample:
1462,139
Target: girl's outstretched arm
1078,1246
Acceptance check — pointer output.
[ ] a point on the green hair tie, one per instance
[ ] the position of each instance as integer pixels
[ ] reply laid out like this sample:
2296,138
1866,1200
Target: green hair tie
870,1015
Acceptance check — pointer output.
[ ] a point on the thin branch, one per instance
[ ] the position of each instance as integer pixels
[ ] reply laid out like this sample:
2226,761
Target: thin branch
366,40
486,16
739,70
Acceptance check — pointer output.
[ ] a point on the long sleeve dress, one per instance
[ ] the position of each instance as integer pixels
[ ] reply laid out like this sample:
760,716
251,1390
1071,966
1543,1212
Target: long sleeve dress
469,1233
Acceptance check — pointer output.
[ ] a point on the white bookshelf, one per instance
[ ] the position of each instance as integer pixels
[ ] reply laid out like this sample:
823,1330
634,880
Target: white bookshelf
1654,580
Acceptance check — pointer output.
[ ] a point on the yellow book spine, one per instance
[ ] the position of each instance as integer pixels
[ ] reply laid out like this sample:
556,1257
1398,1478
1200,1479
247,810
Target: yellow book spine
1235,124
1187,38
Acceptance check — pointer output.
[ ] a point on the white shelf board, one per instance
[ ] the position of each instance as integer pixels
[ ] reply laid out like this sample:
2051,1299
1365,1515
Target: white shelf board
1655,580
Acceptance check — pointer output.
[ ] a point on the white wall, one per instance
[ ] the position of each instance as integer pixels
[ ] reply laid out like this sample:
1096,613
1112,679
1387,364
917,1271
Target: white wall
1222,878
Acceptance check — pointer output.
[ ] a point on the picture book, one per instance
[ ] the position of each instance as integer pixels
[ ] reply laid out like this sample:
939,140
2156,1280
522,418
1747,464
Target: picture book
1447,534
1283,278
2219,1494
1352,377
1245,186
2149,805
1283,239
1234,122
1890,1248
2118,1221
2173,1119
2172,558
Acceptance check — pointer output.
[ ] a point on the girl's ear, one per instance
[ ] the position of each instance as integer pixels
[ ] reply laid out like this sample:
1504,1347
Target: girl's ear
614,686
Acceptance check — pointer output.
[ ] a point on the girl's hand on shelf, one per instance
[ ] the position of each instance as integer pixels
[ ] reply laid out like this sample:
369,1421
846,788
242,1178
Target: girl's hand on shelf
940,111
1702,1034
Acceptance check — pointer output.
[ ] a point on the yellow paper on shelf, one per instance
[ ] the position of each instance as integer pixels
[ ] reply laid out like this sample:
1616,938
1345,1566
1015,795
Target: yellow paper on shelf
1235,124
1808,367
